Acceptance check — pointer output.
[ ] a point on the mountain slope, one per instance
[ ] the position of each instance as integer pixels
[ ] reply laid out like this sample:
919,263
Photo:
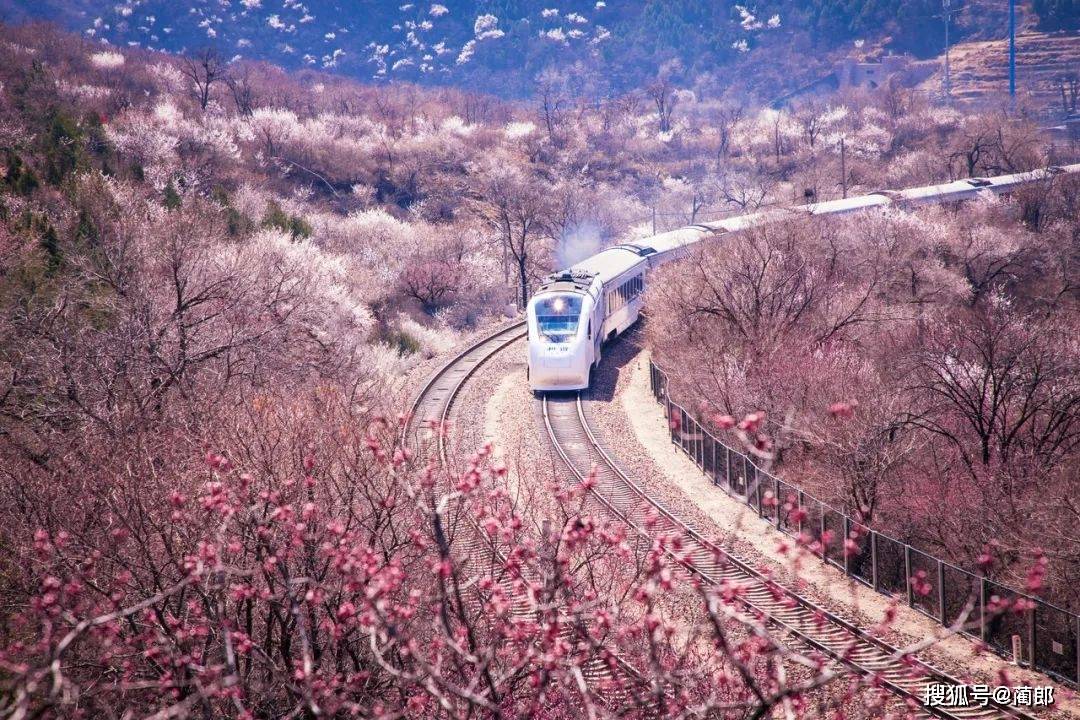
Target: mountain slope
502,45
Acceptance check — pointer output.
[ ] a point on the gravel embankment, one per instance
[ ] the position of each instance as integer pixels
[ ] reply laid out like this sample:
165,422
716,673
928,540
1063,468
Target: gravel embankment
498,407
631,426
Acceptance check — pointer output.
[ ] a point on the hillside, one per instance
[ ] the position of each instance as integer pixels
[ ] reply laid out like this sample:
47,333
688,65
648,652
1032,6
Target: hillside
980,70
764,48
222,285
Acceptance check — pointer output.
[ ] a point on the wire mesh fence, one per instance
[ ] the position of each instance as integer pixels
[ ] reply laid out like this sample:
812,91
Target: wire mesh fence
1026,629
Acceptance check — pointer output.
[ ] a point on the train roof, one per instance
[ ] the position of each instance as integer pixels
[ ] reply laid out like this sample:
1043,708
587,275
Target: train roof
958,190
613,262
668,241
616,260
567,281
848,205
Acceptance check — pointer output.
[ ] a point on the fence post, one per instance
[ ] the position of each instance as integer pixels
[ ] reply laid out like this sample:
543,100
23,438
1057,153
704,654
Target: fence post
715,467
941,592
800,514
843,545
701,445
907,575
727,461
692,439
982,608
1031,634
821,537
667,416
776,496
757,493
873,561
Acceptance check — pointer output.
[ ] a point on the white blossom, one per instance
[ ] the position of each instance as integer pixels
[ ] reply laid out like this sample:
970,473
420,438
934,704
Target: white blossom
487,26
457,126
748,20
107,60
516,129
332,59
466,52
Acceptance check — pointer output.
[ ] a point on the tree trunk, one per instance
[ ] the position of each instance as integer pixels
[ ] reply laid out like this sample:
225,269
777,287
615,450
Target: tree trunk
523,277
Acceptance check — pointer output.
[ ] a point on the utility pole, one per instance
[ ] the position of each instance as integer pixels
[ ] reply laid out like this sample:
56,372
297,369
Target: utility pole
947,12
1012,54
843,167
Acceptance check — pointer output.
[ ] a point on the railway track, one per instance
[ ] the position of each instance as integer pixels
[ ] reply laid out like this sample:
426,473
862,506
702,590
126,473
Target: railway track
426,433
795,616
430,412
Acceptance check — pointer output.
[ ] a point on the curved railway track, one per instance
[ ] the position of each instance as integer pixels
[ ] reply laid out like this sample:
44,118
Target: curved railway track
430,412
426,432
797,617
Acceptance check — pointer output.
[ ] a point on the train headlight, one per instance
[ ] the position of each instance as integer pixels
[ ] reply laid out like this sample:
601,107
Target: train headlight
558,305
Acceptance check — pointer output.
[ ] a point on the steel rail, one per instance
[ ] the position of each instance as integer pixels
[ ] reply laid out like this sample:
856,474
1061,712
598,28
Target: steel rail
575,442
430,410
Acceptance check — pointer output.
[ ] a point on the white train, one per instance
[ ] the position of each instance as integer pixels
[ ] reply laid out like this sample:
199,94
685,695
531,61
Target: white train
575,311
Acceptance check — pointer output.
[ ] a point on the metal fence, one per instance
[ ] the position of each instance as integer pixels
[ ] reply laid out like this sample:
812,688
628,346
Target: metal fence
1017,626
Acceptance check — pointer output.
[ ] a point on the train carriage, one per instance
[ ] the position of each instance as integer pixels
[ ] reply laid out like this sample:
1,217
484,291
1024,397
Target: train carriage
577,310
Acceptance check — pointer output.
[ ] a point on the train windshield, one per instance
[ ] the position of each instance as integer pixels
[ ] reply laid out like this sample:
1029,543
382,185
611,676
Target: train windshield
557,317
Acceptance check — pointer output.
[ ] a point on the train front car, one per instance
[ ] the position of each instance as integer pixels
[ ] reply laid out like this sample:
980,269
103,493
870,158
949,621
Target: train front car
561,347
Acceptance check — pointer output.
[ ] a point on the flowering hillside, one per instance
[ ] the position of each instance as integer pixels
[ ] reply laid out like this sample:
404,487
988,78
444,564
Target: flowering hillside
918,370
220,282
